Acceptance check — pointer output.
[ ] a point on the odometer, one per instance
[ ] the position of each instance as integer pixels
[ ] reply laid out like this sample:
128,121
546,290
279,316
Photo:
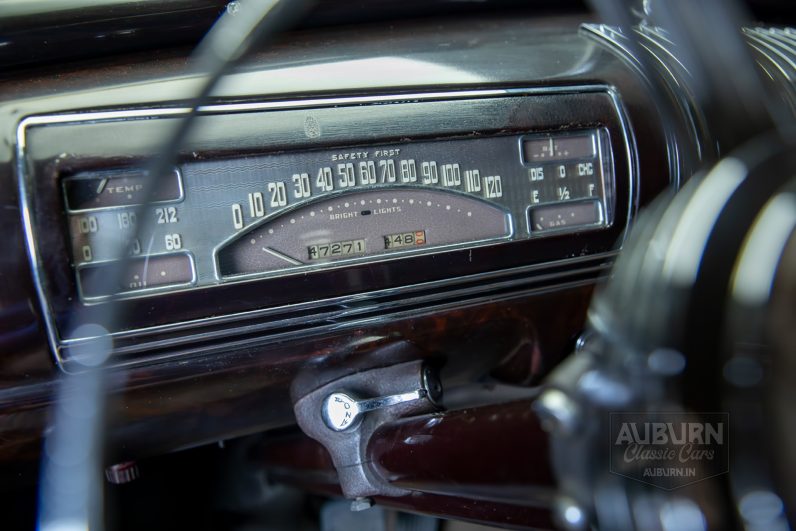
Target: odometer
319,251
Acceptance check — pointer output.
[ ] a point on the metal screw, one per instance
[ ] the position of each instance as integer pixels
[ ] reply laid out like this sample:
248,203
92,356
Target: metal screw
569,514
361,504
583,341
432,385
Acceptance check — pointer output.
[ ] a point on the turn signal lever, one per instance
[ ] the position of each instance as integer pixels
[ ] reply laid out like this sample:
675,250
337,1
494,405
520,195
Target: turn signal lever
343,423
343,412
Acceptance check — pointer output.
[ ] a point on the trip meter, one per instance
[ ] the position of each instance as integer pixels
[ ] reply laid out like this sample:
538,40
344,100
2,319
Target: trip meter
222,220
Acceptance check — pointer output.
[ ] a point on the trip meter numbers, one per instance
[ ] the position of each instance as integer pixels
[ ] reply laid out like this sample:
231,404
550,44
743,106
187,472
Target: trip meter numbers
405,239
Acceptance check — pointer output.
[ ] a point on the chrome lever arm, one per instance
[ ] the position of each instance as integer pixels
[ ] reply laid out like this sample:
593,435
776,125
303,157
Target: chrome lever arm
341,411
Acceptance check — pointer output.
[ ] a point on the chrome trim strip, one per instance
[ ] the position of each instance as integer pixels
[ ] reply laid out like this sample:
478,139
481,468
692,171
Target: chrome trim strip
341,327
149,113
373,296
616,40
347,100
775,47
634,165
30,240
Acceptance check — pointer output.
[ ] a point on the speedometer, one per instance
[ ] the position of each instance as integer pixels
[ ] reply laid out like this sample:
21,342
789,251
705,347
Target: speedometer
363,224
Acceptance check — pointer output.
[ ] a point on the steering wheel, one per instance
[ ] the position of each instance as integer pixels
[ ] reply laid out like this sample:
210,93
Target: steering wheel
695,328
70,496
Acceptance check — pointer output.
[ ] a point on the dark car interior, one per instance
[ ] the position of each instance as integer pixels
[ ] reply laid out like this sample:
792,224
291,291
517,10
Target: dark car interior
440,265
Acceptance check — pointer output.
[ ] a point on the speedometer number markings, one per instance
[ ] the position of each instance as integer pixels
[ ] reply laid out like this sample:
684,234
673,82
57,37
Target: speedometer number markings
301,184
472,181
367,173
493,187
278,194
325,181
387,171
237,216
451,175
430,172
345,174
408,171
256,205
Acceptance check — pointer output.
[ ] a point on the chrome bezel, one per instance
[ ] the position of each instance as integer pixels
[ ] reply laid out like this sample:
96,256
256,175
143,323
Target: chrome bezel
25,185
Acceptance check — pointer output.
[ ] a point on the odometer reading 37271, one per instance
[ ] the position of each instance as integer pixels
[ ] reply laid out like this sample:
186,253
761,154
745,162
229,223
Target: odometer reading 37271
220,220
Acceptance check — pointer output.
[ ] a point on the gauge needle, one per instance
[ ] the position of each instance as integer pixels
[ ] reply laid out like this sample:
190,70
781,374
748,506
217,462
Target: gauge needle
284,257
101,186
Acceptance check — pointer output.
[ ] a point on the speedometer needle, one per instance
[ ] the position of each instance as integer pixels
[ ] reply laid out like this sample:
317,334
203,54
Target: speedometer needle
284,257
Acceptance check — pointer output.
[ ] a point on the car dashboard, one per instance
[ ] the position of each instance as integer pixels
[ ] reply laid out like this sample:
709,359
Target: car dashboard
426,186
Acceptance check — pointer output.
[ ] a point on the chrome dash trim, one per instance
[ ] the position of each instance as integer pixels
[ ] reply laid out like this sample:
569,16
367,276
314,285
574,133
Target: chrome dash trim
344,326
777,48
418,292
667,62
